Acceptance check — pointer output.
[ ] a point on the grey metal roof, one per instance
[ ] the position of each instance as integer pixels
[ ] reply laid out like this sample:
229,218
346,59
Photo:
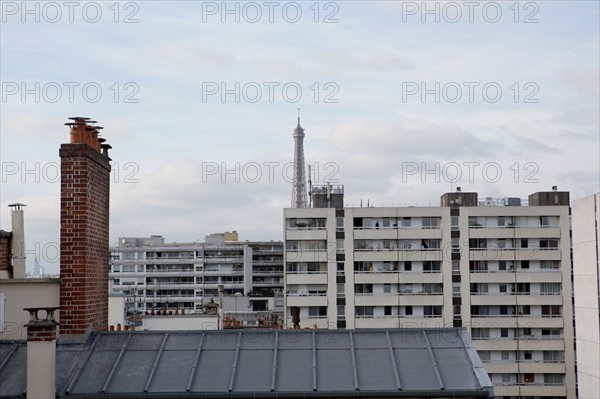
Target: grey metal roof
252,363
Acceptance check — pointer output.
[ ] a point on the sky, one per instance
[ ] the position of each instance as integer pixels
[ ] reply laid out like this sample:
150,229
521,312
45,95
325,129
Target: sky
400,101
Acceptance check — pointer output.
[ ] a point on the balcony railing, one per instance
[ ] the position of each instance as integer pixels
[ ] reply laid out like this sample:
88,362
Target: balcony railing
312,293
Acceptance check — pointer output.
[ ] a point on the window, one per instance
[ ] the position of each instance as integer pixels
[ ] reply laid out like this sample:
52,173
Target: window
387,310
551,310
549,264
484,356
408,310
502,288
551,332
554,356
341,312
501,221
528,378
317,311
554,379
432,311
479,310
456,267
480,333
387,288
550,288
523,288
341,290
546,221
339,223
116,281
456,245
504,332
478,266
504,355
406,222
454,222
548,243
527,355
456,289
473,221
431,223
524,243
431,266
524,264
506,378
406,288
128,268
456,311
364,311
363,288
407,266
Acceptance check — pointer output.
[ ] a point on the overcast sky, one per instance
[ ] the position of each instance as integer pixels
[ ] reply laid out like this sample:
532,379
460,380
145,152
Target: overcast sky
396,103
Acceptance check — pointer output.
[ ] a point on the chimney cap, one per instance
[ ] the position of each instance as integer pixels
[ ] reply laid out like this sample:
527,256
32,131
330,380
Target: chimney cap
16,205
79,118
554,188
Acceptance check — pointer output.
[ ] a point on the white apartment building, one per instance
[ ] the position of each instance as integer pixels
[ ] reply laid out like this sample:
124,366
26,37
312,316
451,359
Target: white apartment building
504,272
586,287
176,276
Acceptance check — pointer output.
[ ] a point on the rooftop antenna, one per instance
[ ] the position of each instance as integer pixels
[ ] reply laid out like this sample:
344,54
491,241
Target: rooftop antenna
309,183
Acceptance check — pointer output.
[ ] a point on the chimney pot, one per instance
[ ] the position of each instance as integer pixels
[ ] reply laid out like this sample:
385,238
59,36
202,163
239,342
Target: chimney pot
41,352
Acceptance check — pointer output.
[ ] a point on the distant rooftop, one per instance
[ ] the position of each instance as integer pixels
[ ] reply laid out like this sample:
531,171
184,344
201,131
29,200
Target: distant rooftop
260,364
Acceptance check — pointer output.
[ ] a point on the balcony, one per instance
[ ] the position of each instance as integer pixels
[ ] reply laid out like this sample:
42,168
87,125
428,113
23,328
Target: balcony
514,254
316,255
421,300
377,322
306,300
306,234
376,300
306,278
520,275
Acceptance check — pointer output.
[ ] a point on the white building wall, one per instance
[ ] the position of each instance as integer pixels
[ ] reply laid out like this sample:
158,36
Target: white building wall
586,230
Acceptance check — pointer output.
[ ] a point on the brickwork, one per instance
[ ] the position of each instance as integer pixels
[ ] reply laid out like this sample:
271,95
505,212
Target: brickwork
5,249
84,240
45,333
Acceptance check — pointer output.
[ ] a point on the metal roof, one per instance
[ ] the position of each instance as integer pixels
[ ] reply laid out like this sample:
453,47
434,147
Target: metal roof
260,363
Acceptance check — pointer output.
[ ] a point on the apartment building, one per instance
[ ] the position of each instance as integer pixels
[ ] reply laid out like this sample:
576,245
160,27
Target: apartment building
155,275
499,268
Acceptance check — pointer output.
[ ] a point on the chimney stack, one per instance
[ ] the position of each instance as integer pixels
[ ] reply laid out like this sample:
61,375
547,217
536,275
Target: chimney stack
18,241
84,215
41,353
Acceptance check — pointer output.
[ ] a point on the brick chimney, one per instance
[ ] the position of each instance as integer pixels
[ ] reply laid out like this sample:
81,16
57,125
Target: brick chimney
41,353
84,213
5,254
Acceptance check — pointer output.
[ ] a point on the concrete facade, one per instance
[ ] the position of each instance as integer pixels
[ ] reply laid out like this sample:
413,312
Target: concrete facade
504,272
586,283
156,275
25,293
